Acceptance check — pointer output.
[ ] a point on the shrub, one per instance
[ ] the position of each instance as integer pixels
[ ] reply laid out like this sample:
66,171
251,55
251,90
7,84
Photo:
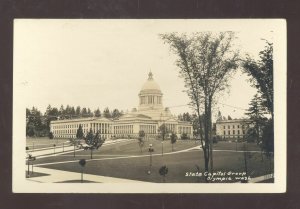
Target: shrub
184,136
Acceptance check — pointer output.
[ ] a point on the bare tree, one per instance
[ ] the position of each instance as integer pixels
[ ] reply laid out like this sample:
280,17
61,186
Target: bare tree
206,62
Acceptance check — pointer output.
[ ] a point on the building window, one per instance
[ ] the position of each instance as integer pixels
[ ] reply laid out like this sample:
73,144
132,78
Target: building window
233,126
233,132
228,127
228,132
224,127
224,132
238,126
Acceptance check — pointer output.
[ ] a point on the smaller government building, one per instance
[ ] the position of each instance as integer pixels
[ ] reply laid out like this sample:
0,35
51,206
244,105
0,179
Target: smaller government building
148,117
232,129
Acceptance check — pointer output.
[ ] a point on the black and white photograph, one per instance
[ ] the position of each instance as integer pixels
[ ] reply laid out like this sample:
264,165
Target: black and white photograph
149,106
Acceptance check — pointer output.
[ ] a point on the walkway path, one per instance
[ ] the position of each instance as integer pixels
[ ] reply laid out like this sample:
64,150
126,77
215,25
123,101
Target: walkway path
59,176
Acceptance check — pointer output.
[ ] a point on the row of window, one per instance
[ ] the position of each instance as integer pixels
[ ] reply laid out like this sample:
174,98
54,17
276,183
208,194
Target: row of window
123,129
73,131
54,127
74,136
186,130
148,129
171,127
233,126
150,100
233,132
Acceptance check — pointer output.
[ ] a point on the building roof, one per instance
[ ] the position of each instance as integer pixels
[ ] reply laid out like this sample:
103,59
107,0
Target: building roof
243,120
150,86
81,120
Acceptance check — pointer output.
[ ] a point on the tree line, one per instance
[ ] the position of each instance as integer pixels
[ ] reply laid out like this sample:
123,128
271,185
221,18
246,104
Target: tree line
38,124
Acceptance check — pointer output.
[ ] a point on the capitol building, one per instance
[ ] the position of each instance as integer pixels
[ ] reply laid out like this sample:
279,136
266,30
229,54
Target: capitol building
149,116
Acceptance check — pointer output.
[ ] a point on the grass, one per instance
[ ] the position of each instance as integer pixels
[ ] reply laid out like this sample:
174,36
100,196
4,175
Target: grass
113,161
43,142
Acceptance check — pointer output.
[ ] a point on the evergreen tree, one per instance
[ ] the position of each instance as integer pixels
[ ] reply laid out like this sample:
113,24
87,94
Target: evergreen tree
94,141
116,113
163,130
73,113
61,112
173,140
180,117
79,134
84,113
51,135
256,114
106,113
97,113
34,123
89,137
89,113
68,112
78,111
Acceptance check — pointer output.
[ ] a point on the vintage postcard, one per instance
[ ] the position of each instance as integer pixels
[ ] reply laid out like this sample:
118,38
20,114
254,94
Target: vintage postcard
149,106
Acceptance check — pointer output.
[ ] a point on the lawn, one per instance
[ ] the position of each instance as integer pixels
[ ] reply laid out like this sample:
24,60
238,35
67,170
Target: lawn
125,160
43,142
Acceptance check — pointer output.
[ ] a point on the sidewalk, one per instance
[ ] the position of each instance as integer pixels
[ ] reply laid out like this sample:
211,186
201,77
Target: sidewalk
59,176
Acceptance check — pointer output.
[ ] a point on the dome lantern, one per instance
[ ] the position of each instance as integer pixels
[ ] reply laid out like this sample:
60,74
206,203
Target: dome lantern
150,76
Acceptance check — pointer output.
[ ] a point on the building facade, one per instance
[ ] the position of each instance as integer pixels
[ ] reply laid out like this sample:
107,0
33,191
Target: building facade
148,117
232,129
68,128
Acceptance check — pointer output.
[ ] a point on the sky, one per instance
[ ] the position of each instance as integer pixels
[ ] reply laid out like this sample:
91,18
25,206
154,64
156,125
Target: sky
104,63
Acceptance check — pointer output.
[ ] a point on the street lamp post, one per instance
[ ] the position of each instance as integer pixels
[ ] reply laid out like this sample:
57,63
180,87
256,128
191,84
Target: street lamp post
28,171
162,148
150,151
82,162
30,158
54,145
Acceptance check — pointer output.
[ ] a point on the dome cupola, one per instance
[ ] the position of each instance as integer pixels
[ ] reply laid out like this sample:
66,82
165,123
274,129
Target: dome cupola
150,94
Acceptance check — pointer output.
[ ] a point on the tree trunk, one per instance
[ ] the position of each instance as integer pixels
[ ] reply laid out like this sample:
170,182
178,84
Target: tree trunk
210,138
206,162
206,133
245,161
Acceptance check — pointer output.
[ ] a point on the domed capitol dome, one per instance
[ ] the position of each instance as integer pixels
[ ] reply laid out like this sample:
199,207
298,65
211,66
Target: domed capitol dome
150,95
150,86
